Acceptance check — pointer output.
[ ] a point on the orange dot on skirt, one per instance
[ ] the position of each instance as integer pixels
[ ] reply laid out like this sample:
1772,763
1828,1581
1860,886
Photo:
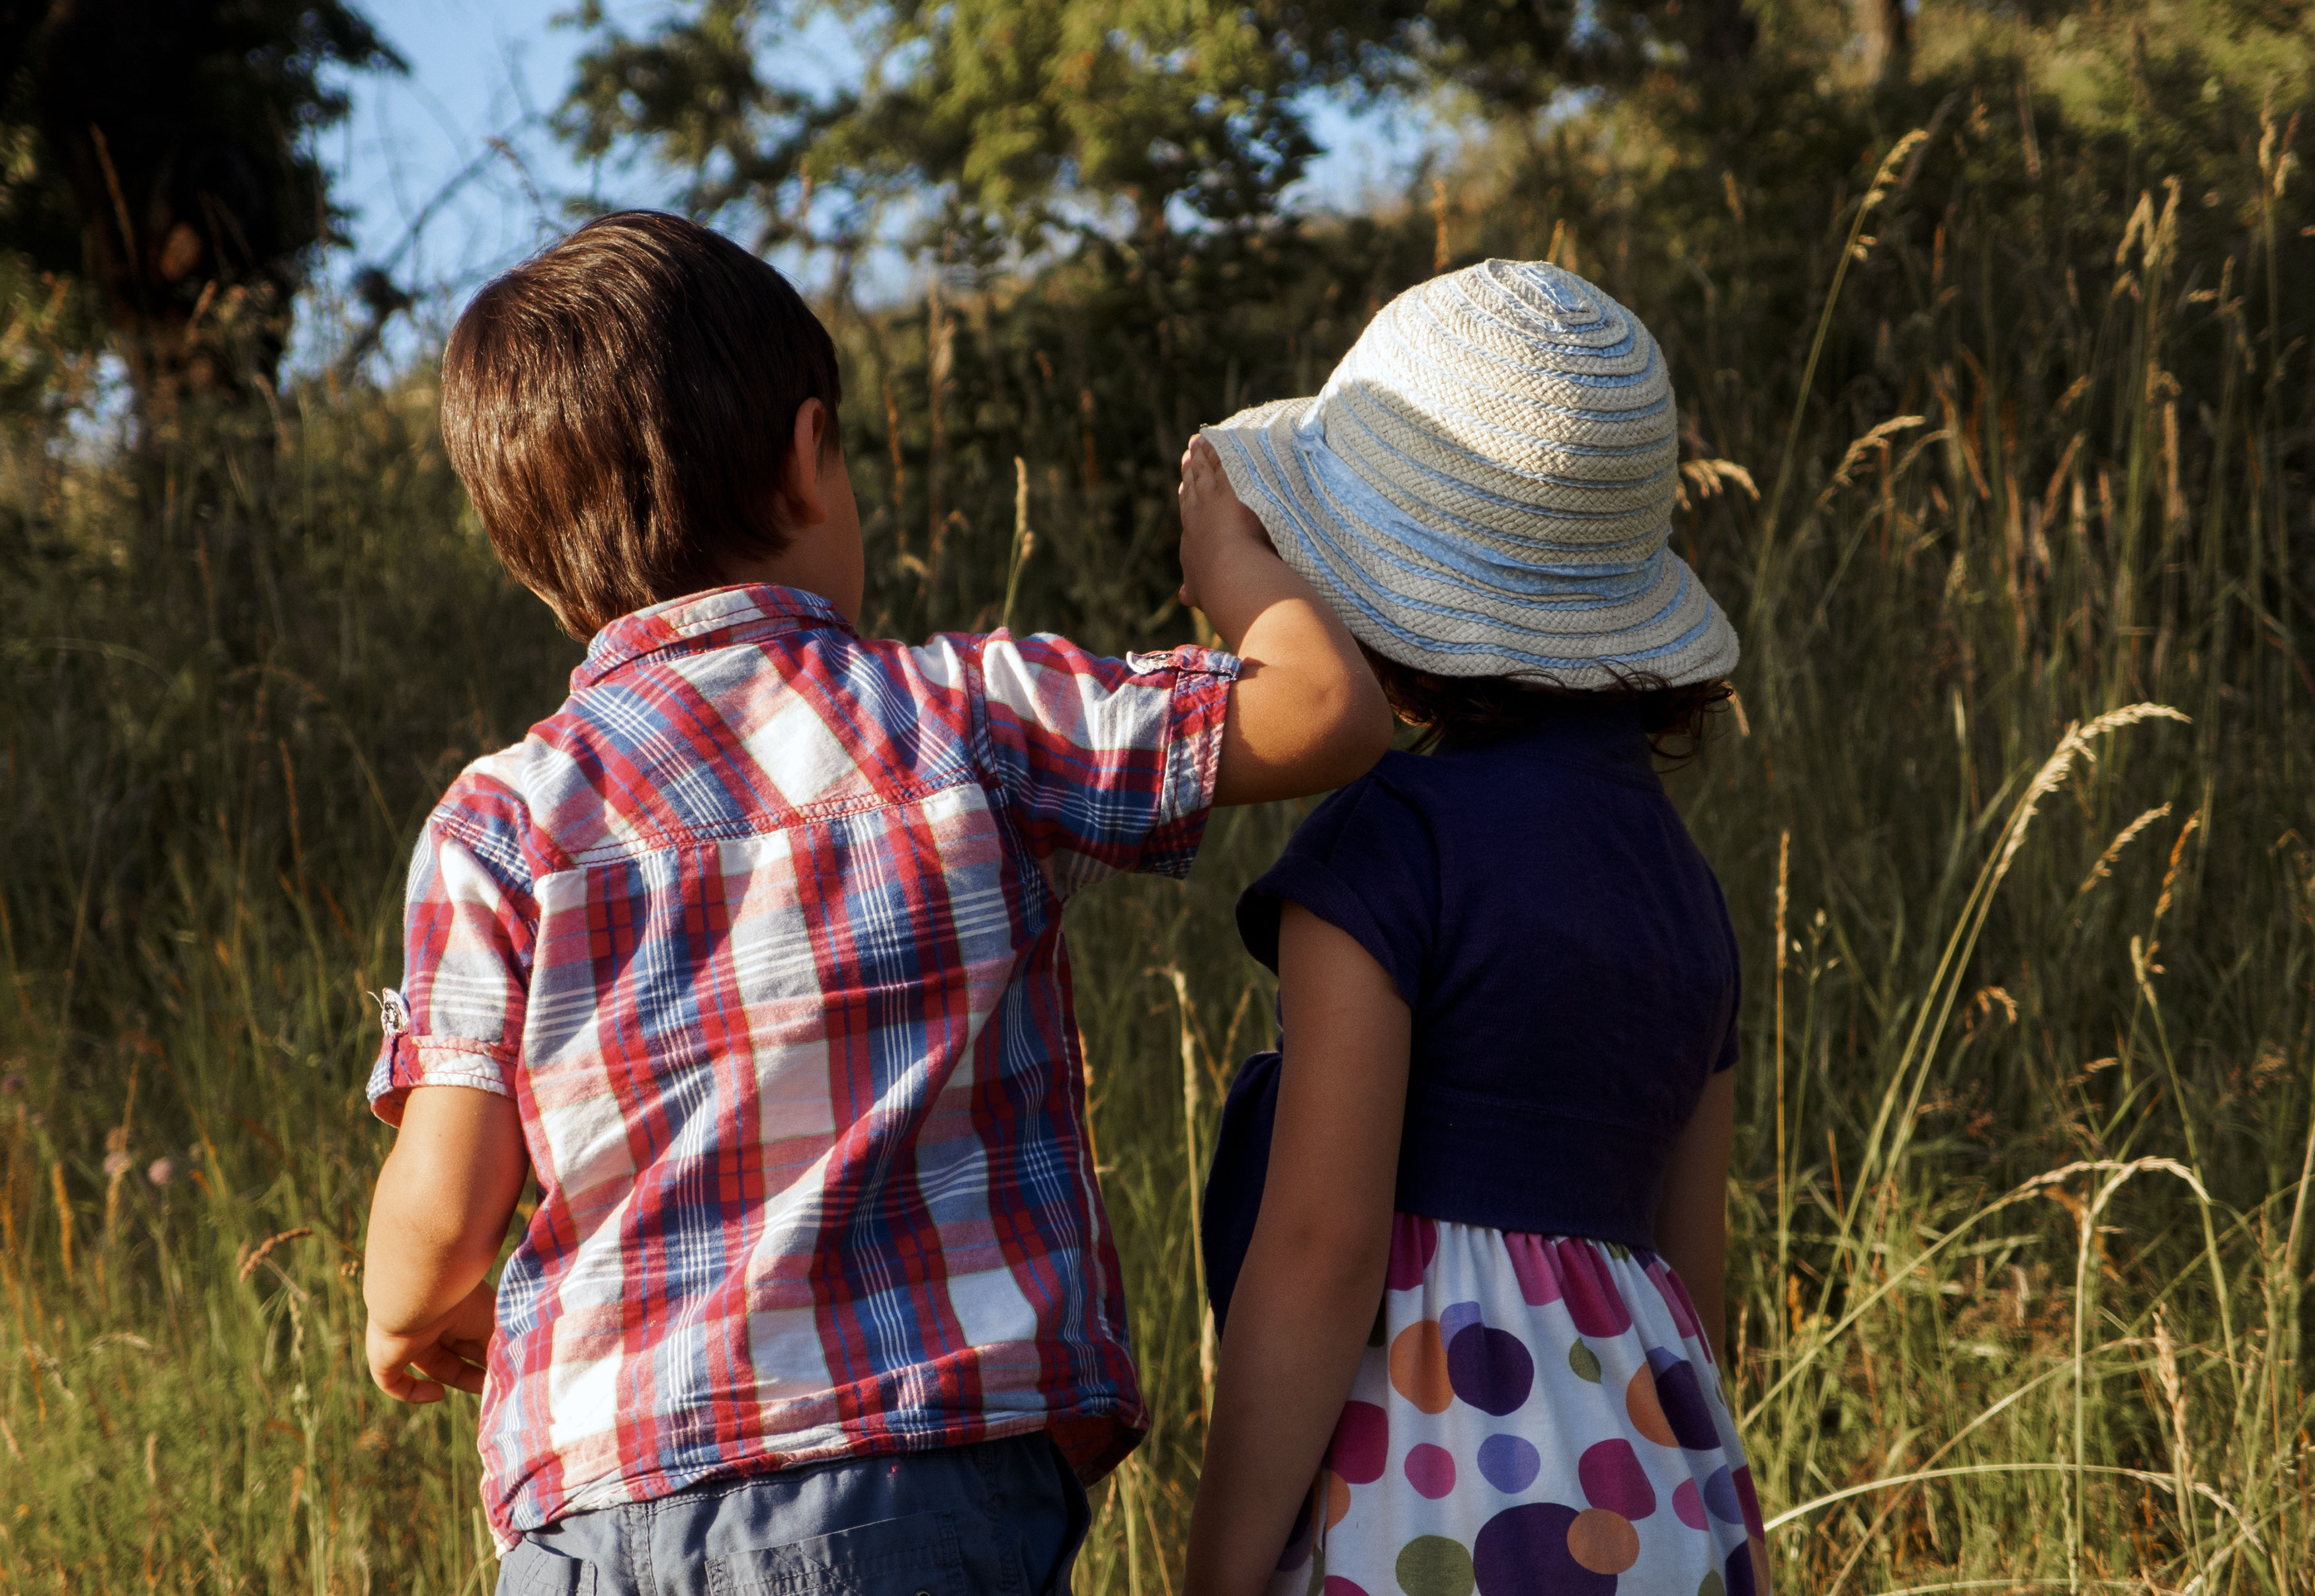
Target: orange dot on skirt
1603,1541
1418,1367
1647,1413
1338,1498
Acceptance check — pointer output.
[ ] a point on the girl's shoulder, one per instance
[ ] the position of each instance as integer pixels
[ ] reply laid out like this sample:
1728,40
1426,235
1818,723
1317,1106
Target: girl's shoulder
1366,860
1388,807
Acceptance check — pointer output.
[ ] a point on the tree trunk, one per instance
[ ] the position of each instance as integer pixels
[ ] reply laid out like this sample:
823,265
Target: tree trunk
1888,40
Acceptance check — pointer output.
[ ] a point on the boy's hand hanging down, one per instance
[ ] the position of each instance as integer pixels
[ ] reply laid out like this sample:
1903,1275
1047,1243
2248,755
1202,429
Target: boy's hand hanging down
436,1225
449,1353
1306,715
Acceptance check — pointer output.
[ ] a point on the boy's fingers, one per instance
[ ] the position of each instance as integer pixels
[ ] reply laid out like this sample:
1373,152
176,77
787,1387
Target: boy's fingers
468,1379
397,1381
442,1364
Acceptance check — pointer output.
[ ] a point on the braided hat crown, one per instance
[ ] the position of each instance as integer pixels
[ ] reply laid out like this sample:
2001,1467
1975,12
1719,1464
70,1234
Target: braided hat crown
1485,486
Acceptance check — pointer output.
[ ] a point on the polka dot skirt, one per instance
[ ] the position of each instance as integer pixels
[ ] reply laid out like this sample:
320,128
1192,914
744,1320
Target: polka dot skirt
1535,1416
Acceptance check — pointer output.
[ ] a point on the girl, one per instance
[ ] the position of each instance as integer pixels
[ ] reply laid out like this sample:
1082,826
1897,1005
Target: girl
1507,994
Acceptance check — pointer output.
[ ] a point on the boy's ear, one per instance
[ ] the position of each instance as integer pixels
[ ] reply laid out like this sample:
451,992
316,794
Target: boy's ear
805,504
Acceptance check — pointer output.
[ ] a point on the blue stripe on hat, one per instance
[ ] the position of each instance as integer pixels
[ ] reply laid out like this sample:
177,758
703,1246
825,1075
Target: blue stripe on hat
1312,535
1316,430
1357,502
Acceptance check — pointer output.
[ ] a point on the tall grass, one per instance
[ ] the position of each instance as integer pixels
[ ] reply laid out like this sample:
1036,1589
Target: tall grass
2015,821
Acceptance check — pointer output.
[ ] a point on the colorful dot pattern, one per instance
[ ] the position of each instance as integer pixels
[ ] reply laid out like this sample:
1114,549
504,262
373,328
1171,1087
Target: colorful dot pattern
1536,1415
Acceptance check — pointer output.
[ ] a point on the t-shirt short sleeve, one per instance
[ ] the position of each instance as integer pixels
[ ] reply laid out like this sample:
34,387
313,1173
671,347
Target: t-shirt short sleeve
1363,862
470,923
1104,765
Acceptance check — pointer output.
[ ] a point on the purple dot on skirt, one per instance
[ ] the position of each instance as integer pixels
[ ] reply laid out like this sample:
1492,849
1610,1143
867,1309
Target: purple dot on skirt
1681,1394
1510,1464
1362,1443
1592,1300
1739,1568
1720,1496
1412,1241
1431,1470
1336,1586
1610,1473
1523,1551
1687,1505
1490,1369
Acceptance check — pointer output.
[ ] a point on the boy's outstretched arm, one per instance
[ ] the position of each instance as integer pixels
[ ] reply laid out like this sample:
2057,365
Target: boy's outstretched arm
435,1224
1305,714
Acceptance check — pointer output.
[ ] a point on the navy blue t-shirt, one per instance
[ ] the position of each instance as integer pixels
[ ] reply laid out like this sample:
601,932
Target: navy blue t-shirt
1566,956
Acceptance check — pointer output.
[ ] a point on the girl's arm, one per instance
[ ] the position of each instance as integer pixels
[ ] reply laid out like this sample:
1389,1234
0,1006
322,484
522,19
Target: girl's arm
1314,1273
1692,1221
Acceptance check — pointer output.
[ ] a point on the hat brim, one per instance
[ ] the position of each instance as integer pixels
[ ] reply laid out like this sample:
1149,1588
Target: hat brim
1578,634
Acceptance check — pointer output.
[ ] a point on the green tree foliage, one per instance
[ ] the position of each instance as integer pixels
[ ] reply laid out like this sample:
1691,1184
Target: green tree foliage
1026,117
1023,117
158,187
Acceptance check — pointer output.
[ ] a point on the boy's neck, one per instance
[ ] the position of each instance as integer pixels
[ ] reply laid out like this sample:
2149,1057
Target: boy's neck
813,562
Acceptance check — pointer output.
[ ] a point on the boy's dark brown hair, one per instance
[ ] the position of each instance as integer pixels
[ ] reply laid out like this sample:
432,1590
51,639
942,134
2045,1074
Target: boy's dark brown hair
1472,710
620,405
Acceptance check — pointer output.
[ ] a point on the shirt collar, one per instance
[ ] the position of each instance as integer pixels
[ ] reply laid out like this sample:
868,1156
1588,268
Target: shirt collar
703,620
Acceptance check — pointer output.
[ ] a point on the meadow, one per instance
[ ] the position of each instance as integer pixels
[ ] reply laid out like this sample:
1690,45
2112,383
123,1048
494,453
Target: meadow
2015,815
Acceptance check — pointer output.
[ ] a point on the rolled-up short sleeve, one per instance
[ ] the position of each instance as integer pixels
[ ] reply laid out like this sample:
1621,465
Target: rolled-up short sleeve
1363,862
468,929
1104,765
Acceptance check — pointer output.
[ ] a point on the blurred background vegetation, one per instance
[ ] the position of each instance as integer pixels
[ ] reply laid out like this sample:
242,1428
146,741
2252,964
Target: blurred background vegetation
1991,329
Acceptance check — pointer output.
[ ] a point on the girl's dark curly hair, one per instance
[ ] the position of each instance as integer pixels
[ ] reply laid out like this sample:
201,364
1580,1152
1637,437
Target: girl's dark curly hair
1473,710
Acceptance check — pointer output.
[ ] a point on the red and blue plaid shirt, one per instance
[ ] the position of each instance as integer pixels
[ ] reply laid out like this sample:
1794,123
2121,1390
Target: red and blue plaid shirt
762,932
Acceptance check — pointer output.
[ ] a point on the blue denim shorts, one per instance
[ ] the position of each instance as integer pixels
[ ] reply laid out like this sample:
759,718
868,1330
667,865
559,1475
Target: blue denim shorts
1002,1518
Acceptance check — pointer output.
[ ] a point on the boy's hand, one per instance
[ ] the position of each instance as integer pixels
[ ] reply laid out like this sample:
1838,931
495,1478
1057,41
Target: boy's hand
1304,713
1216,525
449,1352
436,1226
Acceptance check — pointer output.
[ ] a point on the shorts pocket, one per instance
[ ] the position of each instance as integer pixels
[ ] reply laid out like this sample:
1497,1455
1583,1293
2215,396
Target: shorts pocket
915,1555
534,1570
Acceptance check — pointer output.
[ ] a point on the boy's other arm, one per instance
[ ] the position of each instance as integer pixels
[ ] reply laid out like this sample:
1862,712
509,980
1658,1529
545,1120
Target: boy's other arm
435,1224
1692,1219
1305,714
1314,1273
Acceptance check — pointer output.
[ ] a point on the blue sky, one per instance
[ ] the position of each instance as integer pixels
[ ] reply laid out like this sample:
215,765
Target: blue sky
444,206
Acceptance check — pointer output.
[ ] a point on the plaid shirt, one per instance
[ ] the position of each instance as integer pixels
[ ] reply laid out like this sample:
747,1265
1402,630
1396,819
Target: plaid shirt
762,932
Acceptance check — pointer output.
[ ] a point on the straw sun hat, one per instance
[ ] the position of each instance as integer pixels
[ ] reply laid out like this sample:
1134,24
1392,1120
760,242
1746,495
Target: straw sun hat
1485,485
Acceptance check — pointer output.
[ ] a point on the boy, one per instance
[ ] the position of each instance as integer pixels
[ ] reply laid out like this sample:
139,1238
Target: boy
752,953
